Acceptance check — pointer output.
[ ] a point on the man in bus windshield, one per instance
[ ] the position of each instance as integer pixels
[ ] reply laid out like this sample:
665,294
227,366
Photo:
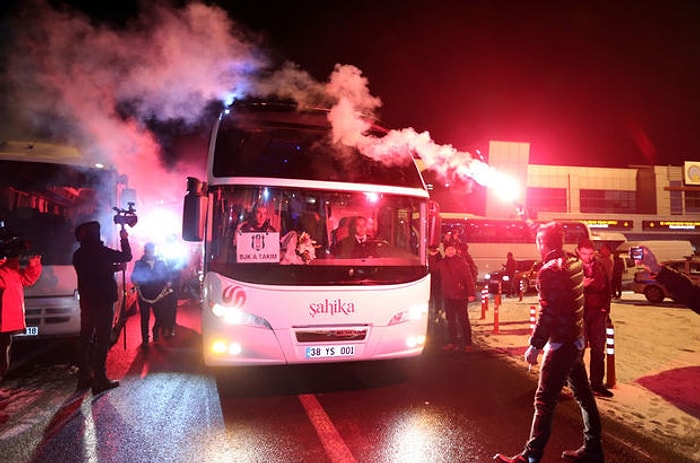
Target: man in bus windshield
359,244
259,221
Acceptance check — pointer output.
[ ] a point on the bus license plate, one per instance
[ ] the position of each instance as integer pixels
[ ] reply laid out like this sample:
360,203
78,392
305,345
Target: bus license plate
330,351
31,331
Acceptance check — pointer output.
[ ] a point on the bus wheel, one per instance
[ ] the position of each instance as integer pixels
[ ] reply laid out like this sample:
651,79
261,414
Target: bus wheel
654,294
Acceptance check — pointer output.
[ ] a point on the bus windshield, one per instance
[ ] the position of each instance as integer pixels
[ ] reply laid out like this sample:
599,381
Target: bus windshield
298,146
294,236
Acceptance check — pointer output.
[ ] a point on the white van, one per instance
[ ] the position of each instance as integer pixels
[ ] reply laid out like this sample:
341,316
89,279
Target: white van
664,250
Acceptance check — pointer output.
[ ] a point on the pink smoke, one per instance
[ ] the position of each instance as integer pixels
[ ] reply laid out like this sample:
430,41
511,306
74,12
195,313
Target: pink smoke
97,87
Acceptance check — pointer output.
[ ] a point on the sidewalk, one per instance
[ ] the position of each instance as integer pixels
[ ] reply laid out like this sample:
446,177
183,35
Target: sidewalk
656,362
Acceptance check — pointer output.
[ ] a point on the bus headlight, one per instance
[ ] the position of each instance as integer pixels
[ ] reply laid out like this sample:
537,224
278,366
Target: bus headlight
415,312
222,347
236,316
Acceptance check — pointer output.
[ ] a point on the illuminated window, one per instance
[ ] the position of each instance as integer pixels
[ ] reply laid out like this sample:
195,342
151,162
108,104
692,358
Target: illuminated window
676,197
608,201
692,202
546,199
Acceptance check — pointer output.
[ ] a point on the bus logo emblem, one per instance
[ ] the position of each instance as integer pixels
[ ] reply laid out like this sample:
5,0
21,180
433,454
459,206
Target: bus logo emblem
233,296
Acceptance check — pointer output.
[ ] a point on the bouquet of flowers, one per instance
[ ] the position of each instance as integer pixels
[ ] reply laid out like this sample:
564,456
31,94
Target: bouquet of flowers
306,247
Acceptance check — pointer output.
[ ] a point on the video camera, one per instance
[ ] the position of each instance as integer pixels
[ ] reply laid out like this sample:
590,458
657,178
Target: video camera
126,216
12,244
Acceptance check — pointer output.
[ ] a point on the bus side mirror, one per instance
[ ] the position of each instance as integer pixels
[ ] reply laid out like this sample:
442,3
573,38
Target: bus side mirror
434,224
194,211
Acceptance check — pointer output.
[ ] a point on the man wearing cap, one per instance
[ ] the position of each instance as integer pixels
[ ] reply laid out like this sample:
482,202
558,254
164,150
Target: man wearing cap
94,265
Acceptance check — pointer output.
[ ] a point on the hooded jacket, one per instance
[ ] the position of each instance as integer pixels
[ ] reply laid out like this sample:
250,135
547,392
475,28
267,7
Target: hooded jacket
94,265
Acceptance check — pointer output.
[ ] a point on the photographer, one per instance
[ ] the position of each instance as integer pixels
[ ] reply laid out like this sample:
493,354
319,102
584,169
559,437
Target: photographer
680,286
94,265
13,279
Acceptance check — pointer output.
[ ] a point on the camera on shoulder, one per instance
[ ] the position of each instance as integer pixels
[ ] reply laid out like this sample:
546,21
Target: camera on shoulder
126,216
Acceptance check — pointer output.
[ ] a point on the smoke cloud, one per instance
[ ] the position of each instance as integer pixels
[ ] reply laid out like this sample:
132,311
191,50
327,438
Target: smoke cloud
100,88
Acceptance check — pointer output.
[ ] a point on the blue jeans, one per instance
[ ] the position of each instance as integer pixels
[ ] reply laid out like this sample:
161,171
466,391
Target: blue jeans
458,319
559,366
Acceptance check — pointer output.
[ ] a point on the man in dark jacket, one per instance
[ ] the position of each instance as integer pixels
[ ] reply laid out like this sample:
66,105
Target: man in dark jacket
559,331
596,309
95,265
458,290
151,276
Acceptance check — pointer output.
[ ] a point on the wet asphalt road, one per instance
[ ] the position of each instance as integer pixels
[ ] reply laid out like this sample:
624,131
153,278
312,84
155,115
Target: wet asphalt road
170,408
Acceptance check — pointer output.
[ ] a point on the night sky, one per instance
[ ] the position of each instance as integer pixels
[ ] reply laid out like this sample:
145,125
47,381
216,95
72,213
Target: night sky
585,83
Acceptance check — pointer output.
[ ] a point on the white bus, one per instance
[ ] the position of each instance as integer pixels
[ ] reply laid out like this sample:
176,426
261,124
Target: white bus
282,293
46,190
490,240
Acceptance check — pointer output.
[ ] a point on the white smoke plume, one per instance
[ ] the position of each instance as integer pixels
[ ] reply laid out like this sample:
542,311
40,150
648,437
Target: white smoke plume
98,87
355,106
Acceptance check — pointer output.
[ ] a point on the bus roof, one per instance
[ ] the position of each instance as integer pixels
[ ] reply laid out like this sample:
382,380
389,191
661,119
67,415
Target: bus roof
33,151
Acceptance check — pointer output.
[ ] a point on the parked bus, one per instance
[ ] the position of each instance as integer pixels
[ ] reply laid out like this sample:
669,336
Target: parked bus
490,240
46,190
283,292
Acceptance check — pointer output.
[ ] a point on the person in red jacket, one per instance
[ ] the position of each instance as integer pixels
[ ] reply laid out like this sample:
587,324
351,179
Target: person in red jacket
13,279
458,290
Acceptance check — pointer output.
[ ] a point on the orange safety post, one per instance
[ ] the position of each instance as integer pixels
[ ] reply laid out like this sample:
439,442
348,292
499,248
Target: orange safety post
484,301
610,354
496,305
521,290
533,318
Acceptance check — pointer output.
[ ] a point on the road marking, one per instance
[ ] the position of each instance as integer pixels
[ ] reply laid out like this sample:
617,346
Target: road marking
335,446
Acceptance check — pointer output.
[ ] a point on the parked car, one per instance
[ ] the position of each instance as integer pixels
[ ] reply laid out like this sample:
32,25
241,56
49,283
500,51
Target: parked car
522,272
655,292
528,278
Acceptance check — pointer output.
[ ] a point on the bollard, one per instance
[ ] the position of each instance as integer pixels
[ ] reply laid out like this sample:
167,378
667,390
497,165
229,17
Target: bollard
484,301
496,305
521,290
533,319
610,354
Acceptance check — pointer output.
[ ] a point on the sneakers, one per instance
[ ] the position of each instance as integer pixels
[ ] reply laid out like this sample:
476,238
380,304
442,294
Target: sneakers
103,385
520,458
583,455
602,391
451,347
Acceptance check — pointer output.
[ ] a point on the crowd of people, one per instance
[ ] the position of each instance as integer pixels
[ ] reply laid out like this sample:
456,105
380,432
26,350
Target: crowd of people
575,295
